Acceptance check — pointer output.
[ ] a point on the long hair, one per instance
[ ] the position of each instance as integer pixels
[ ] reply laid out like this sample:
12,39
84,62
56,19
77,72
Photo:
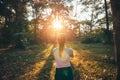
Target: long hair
61,43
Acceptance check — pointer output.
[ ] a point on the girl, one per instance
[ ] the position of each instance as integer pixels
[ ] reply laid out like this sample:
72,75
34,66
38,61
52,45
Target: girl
62,59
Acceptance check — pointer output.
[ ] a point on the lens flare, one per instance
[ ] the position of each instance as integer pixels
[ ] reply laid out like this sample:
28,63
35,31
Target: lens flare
57,25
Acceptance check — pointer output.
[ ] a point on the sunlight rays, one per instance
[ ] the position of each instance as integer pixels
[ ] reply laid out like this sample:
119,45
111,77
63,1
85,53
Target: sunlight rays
45,52
57,25
33,71
85,65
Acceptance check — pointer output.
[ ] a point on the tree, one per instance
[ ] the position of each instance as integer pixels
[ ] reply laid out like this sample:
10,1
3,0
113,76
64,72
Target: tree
98,8
7,16
20,24
15,25
107,31
106,12
37,7
115,6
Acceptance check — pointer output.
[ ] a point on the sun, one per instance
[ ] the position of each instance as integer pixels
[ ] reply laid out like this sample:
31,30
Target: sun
57,24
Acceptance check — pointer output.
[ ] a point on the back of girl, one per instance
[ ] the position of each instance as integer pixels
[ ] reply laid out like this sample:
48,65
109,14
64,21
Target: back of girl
62,57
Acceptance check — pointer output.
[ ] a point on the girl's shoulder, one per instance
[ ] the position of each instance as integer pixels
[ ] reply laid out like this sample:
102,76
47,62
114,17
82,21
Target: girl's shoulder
55,49
69,49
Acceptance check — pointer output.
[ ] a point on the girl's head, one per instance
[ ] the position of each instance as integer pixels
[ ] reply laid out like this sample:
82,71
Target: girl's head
61,43
61,39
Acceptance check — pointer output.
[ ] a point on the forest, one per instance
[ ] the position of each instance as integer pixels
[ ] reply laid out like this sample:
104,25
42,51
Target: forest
29,30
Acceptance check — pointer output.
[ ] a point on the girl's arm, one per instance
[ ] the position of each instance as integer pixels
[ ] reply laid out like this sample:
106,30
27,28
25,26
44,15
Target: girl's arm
71,53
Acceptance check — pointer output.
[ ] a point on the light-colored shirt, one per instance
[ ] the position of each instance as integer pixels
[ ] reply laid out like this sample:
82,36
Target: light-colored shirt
64,60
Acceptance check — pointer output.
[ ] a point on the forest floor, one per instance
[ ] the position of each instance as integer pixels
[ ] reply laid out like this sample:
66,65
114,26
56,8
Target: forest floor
90,62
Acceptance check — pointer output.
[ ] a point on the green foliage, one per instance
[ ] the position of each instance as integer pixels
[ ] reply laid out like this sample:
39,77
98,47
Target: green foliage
21,40
15,29
107,36
90,38
98,36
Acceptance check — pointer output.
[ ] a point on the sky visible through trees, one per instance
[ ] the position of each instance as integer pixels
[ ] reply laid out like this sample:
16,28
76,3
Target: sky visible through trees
75,13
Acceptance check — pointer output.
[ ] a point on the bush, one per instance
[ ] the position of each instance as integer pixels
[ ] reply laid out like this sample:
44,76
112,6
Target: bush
91,38
99,36
21,40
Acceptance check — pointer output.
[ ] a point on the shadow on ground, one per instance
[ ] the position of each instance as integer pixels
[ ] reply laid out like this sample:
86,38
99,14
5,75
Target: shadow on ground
45,72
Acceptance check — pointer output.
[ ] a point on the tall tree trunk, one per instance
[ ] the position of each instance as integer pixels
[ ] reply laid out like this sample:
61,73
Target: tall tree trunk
35,26
106,12
107,24
115,5
91,25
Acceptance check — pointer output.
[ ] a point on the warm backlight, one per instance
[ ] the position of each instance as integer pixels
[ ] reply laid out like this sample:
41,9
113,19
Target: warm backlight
57,25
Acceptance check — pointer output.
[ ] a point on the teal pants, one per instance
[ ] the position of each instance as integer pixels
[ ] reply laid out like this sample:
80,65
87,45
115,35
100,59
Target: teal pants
64,73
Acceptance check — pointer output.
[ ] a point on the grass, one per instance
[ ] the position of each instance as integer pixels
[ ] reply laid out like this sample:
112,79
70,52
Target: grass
90,62
94,61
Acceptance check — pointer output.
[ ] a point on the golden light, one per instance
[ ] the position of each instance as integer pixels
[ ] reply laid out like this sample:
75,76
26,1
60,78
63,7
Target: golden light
57,24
